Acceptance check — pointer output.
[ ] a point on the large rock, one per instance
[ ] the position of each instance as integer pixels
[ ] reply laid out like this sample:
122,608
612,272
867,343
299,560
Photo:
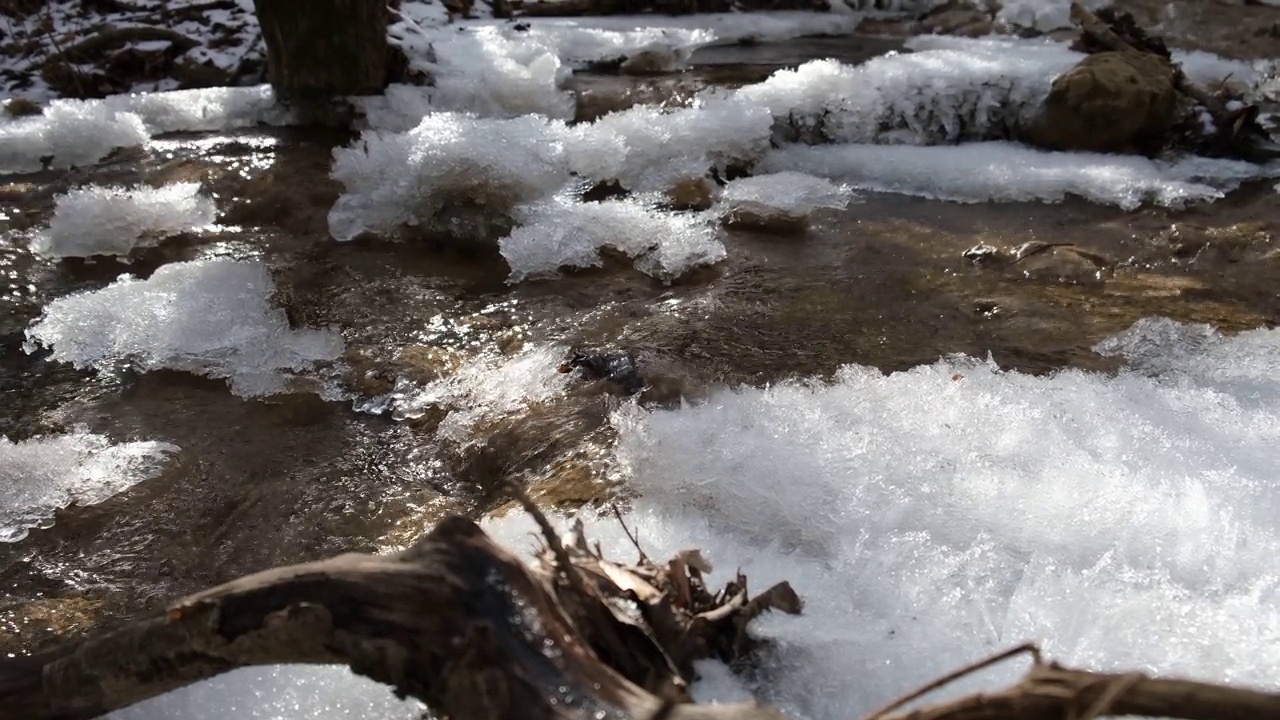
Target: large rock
1121,102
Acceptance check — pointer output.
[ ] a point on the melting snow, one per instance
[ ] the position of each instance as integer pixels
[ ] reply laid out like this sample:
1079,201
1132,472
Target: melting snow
42,475
486,388
114,220
209,317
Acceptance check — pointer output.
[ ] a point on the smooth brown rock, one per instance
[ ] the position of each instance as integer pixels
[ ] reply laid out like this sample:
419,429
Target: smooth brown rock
1111,102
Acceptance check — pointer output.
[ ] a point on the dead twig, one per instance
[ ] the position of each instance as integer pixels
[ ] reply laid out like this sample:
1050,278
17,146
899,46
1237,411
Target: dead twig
616,513
1025,648
563,562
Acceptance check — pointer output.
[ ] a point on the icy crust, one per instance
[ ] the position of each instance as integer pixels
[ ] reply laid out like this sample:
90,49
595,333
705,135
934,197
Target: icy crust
793,193
114,220
929,97
565,232
81,132
1008,172
45,474
931,516
208,317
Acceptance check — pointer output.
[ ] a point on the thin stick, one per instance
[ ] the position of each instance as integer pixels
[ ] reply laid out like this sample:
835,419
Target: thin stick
634,541
952,677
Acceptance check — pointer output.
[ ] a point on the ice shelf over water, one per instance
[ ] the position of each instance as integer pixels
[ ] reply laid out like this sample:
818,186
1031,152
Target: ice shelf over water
96,220
976,91
42,475
1009,172
565,232
80,132
787,192
210,317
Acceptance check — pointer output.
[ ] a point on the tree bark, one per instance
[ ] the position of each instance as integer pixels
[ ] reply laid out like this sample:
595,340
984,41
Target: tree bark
325,48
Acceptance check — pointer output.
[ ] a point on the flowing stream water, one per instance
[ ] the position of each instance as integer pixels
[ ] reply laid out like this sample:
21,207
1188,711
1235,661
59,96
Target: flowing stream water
883,284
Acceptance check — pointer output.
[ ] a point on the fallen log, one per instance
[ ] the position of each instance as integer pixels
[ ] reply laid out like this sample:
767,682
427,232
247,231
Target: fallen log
455,621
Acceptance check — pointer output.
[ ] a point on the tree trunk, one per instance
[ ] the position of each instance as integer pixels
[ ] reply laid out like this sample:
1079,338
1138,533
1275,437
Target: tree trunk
324,48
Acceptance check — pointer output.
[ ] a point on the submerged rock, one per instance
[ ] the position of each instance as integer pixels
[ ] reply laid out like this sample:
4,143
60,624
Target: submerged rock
615,367
1110,102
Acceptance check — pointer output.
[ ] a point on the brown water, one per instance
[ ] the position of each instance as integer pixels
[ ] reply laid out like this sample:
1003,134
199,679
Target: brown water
288,478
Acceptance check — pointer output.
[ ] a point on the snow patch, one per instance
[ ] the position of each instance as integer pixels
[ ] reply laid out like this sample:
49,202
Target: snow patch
45,474
114,220
209,317
1008,172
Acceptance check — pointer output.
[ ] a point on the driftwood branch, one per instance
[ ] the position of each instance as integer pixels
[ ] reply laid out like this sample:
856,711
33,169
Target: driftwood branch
1051,692
455,621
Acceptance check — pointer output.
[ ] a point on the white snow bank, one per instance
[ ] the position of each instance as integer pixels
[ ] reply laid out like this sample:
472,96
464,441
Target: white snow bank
972,91
209,317
81,132
564,232
931,516
279,692
1008,172
788,192
485,389
114,220
42,475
